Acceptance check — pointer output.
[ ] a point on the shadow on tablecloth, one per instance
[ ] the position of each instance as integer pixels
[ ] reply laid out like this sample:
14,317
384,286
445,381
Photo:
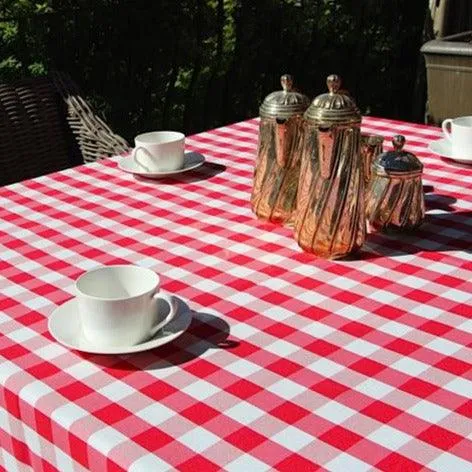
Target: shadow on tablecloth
205,172
206,332
440,232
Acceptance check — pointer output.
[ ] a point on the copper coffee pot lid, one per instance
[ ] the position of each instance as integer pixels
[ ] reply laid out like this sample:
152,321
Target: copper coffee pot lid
284,103
334,107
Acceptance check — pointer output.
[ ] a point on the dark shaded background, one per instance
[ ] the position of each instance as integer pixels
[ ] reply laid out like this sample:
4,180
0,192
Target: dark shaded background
197,64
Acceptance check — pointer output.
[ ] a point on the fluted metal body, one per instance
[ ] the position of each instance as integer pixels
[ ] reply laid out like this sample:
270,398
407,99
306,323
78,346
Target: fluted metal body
395,197
371,147
277,168
330,215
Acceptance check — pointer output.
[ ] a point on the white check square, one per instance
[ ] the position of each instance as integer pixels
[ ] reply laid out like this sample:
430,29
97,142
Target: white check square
282,348
286,389
243,331
277,313
116,391
11,463
243,368
21,335
343,282
361,347
429,411
155,414
12,290
292,438
389,437
244,413
444,346
35,390
67,414
199,439
352,312
200,389
50,351
208,286
151,463
395,329
426,311
64,462
311,298
413,282
335,412
32,440
318,330
410,366
382,296
241,298
325,367
247,463
347,463
449,462
461,386
106,439
37,303
466,326
374,389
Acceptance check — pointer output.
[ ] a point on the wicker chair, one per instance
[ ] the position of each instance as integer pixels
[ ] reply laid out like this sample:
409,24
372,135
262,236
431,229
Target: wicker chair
45,126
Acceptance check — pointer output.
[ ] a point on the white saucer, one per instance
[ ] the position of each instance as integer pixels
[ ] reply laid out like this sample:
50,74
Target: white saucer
443,148
192,161
64,325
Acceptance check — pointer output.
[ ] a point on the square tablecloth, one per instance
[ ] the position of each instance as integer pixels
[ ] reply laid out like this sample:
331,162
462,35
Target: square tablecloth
291,363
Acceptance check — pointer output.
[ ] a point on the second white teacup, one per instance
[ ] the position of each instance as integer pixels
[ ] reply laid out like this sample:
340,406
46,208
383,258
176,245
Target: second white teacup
159,151
118,305
458,132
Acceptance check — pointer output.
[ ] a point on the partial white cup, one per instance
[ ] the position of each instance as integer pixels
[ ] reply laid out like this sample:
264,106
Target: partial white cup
159,151
118,305
458,131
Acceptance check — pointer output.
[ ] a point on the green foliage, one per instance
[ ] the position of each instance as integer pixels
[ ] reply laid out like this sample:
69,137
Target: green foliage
196,64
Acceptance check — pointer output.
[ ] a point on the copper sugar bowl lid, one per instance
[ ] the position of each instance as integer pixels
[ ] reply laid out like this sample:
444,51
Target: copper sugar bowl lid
398,162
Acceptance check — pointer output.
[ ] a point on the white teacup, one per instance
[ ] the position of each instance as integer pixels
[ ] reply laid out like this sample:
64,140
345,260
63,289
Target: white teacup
118,305
159,151
458,132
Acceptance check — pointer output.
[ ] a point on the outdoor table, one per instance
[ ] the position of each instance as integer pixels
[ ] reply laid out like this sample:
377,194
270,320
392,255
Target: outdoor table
291,363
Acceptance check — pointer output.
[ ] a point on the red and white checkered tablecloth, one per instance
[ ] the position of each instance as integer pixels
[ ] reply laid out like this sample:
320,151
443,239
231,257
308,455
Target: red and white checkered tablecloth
291,363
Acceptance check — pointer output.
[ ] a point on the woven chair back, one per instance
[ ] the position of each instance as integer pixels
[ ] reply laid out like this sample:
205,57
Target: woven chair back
35,138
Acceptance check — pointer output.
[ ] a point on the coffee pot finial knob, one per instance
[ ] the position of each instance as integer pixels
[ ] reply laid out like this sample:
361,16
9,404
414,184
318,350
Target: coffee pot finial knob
287,82
334,83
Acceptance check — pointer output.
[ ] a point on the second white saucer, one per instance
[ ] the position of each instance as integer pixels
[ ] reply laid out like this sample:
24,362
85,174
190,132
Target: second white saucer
64,325
192,160
443,147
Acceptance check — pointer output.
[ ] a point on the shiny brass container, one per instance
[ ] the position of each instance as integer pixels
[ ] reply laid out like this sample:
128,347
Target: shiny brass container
277,168
395,198
371,147
330,215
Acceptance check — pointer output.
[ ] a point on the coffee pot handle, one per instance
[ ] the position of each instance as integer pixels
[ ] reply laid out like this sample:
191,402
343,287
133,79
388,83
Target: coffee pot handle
446,124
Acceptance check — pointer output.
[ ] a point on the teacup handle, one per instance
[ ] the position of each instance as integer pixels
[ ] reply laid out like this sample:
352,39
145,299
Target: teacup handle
445,127
172,312
134,155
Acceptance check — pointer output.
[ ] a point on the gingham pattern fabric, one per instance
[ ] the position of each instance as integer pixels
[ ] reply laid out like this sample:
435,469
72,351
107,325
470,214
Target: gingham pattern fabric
291,363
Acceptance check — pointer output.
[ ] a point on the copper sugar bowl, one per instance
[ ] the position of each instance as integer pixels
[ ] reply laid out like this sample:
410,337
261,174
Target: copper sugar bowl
395,199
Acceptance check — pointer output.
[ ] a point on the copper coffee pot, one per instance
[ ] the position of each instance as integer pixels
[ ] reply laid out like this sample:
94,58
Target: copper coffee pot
277,168
330,215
